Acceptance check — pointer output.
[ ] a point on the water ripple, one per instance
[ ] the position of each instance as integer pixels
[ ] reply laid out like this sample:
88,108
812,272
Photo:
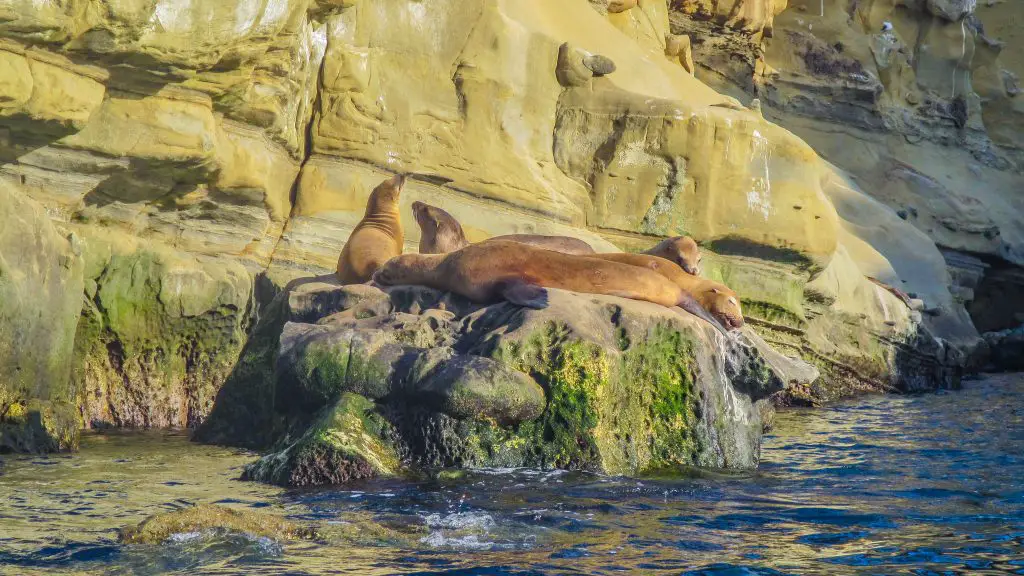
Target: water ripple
930,484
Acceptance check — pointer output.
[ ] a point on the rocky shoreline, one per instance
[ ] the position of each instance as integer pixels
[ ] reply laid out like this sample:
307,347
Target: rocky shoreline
170,192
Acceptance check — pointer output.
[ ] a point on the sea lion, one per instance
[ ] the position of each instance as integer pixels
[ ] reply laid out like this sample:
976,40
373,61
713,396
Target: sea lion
682,250
715,297
378,236
520,273
441,233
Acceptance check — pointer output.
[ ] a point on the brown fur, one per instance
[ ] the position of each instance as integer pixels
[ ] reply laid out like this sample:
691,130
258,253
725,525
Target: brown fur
480,272
715,297
441,233
483,272
563,244
681,250
378,236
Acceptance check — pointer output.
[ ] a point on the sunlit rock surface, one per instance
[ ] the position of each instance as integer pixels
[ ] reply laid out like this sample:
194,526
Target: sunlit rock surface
218,150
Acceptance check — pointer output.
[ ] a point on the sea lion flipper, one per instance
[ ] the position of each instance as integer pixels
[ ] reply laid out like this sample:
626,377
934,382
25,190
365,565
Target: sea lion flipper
689,304
525,294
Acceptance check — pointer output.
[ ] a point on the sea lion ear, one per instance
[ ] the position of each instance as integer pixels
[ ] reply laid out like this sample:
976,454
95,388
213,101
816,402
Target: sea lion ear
525,294
716,290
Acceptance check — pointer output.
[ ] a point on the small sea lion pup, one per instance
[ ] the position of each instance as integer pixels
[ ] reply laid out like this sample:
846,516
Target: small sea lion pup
504,270
441,233
378,236
682,250
715,297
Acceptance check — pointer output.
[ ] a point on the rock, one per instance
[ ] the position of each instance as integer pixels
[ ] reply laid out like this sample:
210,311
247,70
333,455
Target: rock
40,300
205,166
480,388
206,517
313,300
785,370
570,69
678,46
618,6
599,65
952,10
343,444
161,333
1005,350
592,382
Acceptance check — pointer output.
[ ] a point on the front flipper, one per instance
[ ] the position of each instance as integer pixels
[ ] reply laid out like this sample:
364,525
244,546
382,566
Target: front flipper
525,294
693,307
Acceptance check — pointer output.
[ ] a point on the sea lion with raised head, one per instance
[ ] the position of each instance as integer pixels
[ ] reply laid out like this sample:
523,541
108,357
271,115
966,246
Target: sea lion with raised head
498,270
715,297
682,250
378,236
441,233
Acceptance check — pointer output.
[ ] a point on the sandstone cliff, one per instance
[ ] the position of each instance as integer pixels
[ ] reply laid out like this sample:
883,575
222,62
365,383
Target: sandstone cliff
207,153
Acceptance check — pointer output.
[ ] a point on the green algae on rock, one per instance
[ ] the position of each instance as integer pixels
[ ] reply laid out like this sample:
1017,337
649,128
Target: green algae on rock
613,413
160,331
343,444
591,382
159,527
40,295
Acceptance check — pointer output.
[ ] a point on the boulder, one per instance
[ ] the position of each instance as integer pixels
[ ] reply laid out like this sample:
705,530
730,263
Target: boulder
1005,350
591,382
344,443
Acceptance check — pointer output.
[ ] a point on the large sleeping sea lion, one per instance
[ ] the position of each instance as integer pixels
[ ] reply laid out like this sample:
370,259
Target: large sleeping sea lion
715,297
441,233
378,236
520,273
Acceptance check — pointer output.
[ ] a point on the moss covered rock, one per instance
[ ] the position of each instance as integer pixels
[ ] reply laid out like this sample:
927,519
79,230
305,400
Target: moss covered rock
159,333
344,443
204,517
428,380
40,300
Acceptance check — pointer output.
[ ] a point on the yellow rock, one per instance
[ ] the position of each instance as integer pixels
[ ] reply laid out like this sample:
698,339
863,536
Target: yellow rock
46,92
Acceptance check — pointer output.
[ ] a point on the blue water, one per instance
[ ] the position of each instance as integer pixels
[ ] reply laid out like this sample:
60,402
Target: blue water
930,484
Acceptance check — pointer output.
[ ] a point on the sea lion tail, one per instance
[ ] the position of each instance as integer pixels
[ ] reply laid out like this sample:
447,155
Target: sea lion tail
689,304
526,294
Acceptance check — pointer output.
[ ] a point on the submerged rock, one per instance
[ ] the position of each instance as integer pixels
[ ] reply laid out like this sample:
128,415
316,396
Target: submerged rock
591,382
159,527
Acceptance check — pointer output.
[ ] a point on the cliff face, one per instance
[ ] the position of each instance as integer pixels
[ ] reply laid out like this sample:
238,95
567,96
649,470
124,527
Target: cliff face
917,100
206,153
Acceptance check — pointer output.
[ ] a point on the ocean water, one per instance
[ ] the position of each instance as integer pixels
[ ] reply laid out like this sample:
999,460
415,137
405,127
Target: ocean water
929,484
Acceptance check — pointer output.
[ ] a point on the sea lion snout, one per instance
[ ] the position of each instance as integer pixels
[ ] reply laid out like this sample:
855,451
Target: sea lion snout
732,323
398,180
